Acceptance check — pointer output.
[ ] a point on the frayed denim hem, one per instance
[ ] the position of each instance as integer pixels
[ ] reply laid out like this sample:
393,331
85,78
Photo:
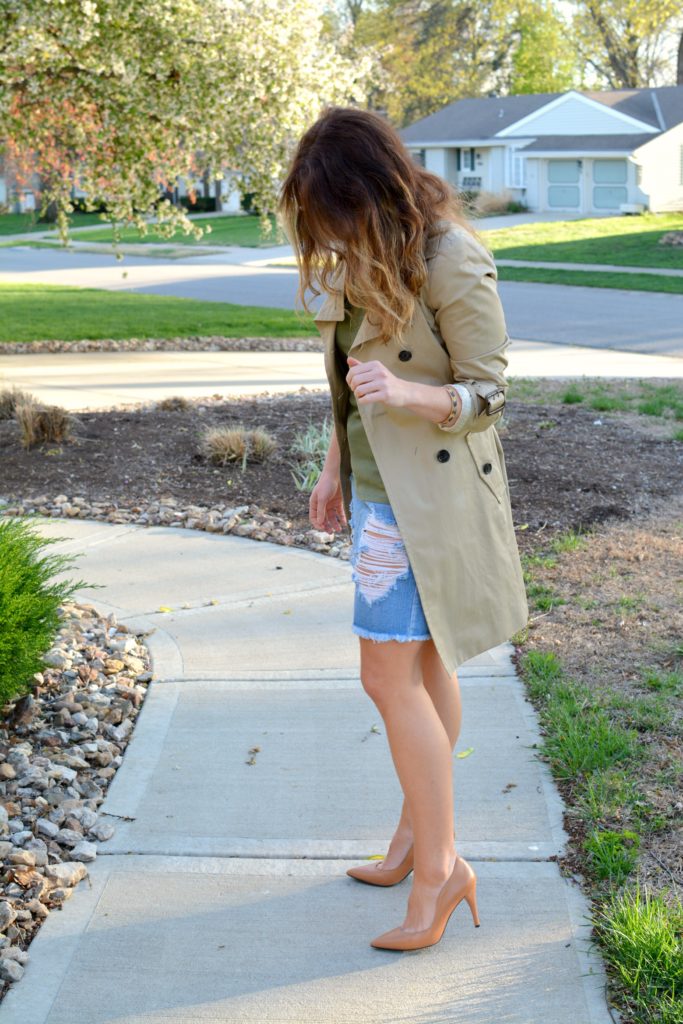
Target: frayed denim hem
383,637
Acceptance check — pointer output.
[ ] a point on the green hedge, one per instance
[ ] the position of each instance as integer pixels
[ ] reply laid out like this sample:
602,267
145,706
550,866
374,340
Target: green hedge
29,601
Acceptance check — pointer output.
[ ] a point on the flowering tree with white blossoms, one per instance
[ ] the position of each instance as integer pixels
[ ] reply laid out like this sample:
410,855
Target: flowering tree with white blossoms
120,98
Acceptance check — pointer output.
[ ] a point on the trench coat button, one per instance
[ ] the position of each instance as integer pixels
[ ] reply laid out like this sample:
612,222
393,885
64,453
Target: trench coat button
487,467
404,355
443,455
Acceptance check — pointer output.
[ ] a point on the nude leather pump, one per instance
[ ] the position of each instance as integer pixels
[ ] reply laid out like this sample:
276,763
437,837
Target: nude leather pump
374,875
461,884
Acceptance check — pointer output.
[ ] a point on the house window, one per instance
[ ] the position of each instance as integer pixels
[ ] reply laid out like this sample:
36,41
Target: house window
419,156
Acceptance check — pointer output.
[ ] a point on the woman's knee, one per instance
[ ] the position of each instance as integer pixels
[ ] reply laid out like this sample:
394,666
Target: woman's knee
388,668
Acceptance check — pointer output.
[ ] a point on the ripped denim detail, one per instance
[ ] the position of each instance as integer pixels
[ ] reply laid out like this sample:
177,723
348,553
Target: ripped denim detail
380,558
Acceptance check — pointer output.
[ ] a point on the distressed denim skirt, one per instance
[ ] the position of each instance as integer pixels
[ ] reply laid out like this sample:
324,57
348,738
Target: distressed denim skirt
387,604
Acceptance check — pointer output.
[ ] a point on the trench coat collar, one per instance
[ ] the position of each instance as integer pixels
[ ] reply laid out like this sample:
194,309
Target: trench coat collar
332,311
332,308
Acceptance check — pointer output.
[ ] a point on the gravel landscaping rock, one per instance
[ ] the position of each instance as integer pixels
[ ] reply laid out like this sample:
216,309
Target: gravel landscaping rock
57,758
201,343
244,521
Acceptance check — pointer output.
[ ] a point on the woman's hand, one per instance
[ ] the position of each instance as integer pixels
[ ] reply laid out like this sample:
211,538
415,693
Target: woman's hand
326,504
373,382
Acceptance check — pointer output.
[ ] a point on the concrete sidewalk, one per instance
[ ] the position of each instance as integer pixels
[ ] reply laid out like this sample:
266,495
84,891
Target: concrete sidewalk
98,380
223,896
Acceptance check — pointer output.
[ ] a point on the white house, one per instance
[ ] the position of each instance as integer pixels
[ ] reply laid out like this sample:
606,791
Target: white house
584,152
27,197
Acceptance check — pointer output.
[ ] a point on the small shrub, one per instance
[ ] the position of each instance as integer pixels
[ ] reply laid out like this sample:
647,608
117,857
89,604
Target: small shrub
224,444
173,403
489,204
38,422
517,206
28,603
486,204
9,399
261,444
232,444
310,449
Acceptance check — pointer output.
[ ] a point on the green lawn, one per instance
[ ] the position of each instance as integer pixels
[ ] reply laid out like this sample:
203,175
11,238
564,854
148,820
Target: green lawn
624,241
20,223
33,312
228,230
594,279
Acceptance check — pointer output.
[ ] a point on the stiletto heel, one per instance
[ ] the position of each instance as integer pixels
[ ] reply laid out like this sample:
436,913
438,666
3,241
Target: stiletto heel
460,885
471,897
374,875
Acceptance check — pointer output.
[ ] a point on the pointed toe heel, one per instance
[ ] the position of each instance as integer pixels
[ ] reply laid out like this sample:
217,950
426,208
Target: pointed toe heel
462,884
371,874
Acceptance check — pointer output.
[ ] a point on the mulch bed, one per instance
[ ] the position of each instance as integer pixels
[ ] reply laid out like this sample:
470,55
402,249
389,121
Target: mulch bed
565,471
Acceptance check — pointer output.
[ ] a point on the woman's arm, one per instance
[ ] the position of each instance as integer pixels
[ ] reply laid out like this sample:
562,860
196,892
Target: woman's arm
462,292
468,313
373,382
326,504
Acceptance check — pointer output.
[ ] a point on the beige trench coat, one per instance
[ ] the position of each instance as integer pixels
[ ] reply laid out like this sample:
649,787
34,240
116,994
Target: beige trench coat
448,488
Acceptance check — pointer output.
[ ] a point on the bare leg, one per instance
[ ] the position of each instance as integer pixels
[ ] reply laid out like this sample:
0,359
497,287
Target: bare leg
391,673
444,691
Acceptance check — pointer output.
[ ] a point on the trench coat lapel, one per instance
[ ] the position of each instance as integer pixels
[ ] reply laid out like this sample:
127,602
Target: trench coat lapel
332,311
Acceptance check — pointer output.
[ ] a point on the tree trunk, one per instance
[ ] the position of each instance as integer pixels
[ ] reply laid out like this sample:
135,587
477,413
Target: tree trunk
679,69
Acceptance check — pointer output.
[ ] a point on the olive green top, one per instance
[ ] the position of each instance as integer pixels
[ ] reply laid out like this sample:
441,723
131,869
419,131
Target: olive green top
367,481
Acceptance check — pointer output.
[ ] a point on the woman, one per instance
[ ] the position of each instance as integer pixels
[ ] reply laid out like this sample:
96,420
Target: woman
414,465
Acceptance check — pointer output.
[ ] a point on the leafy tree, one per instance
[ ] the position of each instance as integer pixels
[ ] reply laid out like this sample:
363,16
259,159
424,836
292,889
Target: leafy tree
433,52
626,41
120,98
540,58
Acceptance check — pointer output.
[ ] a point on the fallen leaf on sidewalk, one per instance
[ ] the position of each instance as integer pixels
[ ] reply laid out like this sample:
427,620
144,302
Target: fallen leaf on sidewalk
465,753
164,608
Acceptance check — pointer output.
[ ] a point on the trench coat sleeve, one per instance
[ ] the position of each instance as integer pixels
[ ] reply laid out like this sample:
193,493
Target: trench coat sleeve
462,293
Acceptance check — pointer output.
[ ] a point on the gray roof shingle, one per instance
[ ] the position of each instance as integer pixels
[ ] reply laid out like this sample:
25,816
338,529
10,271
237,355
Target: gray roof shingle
483,118
600,143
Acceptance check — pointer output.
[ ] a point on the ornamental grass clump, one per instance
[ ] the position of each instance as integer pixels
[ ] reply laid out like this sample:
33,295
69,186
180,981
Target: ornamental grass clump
234,444
310,449
29,602
9,399
38,422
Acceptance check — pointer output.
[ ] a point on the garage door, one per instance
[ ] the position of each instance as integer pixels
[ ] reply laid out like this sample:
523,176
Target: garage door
609,184
564,184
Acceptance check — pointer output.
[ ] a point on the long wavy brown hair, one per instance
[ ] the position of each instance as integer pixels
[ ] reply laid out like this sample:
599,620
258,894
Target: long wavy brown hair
354,193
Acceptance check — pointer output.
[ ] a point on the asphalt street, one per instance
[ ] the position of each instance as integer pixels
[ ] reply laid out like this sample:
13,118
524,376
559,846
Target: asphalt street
631,321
